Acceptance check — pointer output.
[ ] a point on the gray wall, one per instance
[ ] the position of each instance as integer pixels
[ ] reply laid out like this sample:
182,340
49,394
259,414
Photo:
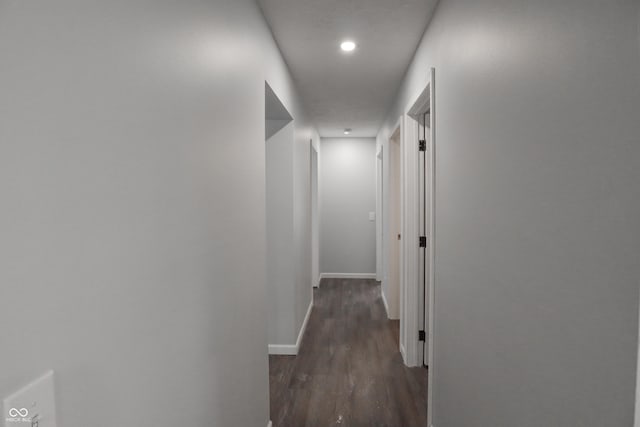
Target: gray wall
347,195
132,166
288,182
302,292
538,210
280,268
315,218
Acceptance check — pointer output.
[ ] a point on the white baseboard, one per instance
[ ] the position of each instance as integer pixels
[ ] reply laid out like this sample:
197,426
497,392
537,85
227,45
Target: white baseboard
348,276
271,424
288,349
403,353
384,301
317,284
283,350
304,325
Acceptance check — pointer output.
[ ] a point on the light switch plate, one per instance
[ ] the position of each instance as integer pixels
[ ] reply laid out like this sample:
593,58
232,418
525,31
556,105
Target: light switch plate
33,405
372,216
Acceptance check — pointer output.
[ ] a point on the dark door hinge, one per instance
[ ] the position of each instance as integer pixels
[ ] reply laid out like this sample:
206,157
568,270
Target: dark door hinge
422,336
422,145
423,241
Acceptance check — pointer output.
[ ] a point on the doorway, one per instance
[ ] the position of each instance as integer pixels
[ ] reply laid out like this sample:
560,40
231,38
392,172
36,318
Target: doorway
425,220
315,225
280,272
394,228
380,258
420,134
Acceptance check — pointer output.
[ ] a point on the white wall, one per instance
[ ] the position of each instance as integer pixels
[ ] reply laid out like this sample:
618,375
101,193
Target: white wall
386,239
132,166
280,268
392,224
315,218
537,210
347,195
303,294
379,219
289,228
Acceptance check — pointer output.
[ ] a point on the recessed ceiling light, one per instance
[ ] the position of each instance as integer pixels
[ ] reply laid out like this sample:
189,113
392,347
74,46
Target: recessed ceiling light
347,131
347,46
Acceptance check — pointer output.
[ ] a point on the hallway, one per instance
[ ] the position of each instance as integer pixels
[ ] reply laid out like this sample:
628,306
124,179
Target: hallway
349,370
274,213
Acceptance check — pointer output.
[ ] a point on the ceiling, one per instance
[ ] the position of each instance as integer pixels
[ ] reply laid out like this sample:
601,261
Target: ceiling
351,90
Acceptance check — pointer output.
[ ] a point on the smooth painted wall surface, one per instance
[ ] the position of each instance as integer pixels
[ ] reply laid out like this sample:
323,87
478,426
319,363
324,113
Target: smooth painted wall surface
302,293
387,207
280,268
315,219
289,232
132,167
537,210
347,195
393,225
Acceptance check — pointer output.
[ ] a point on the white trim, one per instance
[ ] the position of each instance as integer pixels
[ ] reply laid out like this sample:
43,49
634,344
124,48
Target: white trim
386,235
432,249
292,350
384,301
348,276
270,424
379,214
317,284
304,325
314,163
283,350
403,354
410,318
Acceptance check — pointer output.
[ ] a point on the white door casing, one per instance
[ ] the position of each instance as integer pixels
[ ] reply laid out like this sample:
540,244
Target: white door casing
419,309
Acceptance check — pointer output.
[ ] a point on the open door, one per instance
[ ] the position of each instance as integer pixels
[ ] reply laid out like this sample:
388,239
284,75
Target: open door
394,237
421,128
426,223
315,223
423,191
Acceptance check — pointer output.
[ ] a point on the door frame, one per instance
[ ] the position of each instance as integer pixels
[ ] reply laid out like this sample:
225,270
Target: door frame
383,236
410,322
413,320
395,170
315,218
379,216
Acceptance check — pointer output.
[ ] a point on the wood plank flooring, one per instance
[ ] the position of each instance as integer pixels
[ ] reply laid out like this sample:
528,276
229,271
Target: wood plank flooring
349,371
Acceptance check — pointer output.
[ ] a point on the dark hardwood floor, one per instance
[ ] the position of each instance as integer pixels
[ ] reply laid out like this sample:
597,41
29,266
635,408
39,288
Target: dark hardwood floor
349,371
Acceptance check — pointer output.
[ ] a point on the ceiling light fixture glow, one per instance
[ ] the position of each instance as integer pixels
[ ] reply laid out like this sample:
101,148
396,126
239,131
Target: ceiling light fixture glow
347,131
347,46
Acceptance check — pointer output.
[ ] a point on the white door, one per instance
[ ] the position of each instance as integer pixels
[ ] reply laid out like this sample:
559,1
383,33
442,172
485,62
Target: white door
423,273
425,191
315,232
395,225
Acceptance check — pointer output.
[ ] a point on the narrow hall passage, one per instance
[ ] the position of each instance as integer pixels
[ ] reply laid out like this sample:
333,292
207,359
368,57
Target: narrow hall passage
349,370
